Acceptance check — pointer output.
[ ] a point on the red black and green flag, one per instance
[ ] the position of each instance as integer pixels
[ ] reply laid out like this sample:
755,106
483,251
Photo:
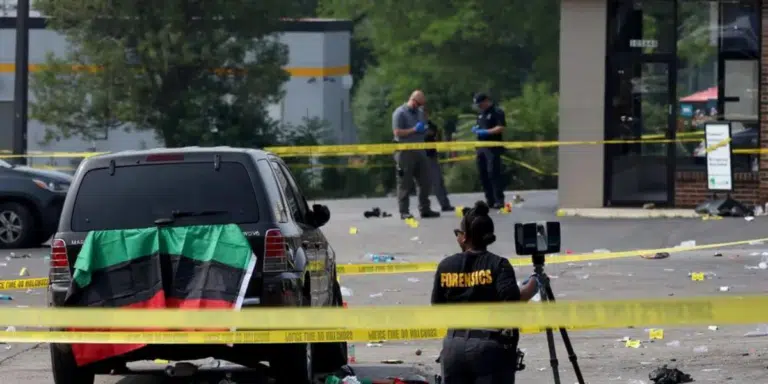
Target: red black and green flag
168,267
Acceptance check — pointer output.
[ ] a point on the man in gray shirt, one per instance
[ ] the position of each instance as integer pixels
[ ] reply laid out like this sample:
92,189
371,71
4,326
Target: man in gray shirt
409,126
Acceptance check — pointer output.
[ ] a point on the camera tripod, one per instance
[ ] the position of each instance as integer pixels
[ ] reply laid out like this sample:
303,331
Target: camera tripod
546,294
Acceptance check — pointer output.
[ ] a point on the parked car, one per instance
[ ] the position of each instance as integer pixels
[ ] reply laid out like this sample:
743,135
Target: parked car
30,203
130,189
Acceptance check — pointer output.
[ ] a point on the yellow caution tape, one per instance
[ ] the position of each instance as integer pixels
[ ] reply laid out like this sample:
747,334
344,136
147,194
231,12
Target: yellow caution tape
577,314
237,337
388,268
7,285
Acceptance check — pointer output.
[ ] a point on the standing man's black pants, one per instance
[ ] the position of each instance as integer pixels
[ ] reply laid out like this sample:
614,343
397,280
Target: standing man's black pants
477,360
489,169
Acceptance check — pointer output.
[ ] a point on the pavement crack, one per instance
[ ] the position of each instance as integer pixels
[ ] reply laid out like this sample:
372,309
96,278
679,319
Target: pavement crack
11,357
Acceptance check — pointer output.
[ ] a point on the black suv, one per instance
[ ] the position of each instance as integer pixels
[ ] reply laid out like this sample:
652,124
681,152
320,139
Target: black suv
30,204
256,191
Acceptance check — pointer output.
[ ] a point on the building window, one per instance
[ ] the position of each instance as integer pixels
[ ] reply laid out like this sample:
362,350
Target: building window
718,47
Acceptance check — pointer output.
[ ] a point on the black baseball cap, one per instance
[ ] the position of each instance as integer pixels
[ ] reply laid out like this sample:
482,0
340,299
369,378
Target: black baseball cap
479,98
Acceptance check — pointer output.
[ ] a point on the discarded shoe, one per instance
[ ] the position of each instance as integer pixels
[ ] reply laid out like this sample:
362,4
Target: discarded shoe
375,212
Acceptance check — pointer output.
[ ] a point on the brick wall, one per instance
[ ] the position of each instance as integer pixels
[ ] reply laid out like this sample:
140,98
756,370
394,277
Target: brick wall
763,182
749,188
691,188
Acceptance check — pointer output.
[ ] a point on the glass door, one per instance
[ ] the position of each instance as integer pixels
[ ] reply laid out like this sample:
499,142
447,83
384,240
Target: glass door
641,91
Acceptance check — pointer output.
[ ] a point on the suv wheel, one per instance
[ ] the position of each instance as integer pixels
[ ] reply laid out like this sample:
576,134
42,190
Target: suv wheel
294,363
17,226
65,369
331,356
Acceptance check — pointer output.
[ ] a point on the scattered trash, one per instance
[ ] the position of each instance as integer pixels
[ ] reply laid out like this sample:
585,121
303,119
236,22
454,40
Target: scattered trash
749,218
11,329
346,292
718,254
762,265
375,295
415,238
375,345
418,352
391,290
24,272
725,288
601,250
380,258
376,212
755,254
761,331
687,244
668,270
658,255
674,343
701,276
392,361
22,256
353,230
701,349
413,280
649,206
6,297
712,328
666,375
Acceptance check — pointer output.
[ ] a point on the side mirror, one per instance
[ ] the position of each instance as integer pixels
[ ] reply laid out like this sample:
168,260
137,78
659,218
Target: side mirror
320,215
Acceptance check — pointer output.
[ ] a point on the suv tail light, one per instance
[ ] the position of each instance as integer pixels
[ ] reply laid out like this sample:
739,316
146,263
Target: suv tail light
275,258
59,272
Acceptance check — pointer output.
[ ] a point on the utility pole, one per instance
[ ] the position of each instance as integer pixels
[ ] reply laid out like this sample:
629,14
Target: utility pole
21,86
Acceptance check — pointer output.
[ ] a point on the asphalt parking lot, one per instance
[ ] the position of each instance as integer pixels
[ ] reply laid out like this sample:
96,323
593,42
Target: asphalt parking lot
715,354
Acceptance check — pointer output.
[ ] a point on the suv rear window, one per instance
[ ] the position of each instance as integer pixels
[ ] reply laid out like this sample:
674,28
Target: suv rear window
135,196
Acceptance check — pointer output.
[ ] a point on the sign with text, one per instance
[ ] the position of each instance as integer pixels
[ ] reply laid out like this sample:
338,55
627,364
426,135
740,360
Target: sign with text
718,147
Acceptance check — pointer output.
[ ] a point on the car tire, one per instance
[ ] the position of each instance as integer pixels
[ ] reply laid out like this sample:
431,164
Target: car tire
294,363
65,369
14,215
329,357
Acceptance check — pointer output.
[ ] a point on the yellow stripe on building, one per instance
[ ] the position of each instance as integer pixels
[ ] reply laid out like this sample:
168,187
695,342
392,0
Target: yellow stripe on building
294,71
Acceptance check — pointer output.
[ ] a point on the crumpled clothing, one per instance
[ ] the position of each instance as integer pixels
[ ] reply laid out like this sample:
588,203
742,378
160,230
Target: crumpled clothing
666,375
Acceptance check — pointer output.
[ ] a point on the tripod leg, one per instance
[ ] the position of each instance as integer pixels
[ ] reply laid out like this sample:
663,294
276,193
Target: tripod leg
551,342
566,340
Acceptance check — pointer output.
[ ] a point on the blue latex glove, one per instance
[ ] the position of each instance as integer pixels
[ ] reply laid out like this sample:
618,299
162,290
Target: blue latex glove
420,127
481,132
475,128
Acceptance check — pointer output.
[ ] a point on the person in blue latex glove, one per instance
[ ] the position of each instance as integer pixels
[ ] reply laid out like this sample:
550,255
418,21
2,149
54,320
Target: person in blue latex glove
409,125
490,124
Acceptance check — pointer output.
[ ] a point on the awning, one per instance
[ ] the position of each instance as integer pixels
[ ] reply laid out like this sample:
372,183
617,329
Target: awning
701,96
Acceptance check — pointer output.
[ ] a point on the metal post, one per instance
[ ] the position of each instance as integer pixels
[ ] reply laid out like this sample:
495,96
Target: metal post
21,86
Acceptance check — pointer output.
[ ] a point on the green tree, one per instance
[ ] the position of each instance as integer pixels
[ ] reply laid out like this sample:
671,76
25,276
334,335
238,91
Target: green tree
170,67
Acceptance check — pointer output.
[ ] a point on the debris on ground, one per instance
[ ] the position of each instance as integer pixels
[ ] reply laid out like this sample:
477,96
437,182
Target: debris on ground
687,244
353,230
601,250
24,272
347,292
718,254
377,344
418,352
725,288
22,256
701,349
656,256
674,343
749,218
665,375
376,212
375,295
761,331
376,258
712,328
413,280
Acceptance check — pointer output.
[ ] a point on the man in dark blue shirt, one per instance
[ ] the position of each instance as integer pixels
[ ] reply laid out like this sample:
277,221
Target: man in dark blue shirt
490,125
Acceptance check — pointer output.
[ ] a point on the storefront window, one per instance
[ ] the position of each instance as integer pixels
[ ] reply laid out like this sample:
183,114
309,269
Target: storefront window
646,27
717,77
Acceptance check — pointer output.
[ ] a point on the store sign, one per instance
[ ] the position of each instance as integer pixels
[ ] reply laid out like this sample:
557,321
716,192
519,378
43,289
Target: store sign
643,43
718,144
686,110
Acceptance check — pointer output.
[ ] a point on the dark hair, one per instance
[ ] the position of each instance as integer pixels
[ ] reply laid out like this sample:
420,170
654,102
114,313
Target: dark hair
478,226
